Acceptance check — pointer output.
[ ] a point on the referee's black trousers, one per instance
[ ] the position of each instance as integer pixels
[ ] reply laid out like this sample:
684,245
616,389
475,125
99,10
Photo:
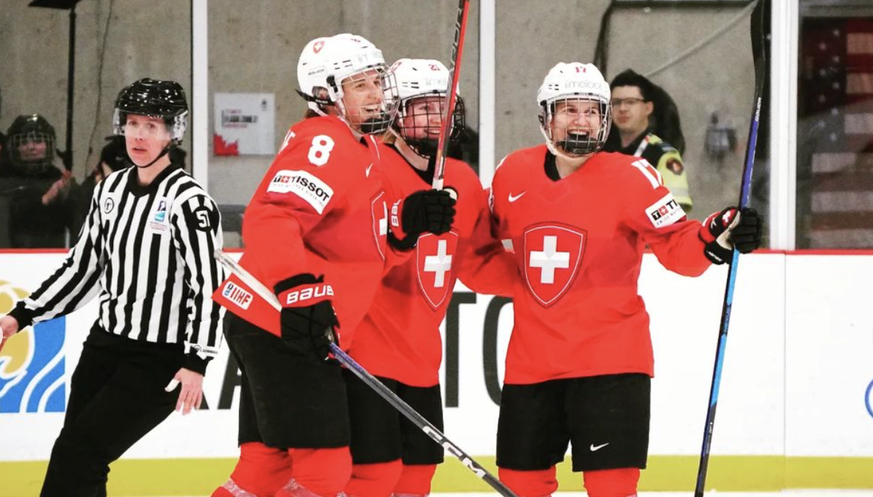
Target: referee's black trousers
116,397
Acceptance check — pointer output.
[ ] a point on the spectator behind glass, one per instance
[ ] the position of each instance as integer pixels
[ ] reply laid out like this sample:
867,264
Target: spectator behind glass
41,210
645,123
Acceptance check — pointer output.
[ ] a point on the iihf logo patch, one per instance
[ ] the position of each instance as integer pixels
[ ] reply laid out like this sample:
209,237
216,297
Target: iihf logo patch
159,218
237,295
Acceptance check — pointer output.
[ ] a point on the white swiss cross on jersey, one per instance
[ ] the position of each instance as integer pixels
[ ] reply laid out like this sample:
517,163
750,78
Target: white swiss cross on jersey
434,258
552,255
379,211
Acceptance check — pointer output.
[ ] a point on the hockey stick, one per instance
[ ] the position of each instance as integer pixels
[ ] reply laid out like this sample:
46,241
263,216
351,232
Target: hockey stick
451,94
759,53
372,382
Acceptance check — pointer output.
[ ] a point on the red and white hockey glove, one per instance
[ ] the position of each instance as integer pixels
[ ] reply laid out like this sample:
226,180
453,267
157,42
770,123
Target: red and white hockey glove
730,228
308,320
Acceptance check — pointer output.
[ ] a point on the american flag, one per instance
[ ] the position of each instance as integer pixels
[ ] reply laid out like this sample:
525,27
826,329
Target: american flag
835,134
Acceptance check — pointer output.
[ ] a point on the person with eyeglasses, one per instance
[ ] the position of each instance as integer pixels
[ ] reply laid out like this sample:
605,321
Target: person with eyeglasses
646,124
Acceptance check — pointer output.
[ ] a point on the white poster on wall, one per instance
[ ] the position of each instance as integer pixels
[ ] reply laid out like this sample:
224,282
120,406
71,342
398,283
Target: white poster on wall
244,124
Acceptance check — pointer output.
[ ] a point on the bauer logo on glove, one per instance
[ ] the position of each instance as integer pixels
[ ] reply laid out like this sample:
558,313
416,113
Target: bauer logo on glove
306,295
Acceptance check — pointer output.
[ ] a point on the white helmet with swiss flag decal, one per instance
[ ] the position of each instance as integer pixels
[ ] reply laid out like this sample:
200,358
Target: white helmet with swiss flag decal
328,62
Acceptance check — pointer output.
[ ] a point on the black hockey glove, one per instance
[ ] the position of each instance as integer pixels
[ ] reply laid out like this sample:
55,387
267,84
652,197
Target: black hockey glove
425,211
307,317
722,231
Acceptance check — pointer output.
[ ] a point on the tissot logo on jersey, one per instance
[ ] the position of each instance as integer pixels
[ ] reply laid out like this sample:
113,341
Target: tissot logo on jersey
303,184
237,295
665,212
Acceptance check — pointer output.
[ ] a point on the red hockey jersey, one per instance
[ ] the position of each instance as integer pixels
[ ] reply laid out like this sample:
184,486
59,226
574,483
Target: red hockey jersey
320,209
578,243
399,337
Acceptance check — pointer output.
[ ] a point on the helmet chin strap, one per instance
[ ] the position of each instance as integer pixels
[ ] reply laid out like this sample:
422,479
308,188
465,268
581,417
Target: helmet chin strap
164,152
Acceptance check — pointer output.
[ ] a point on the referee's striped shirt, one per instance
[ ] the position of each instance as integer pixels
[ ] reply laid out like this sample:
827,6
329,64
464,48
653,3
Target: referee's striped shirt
147,253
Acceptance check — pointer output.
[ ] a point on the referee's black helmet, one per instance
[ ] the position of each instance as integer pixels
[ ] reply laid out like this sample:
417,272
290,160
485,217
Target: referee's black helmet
153,98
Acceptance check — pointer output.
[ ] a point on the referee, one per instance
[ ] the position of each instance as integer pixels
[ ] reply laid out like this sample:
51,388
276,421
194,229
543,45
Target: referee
146,250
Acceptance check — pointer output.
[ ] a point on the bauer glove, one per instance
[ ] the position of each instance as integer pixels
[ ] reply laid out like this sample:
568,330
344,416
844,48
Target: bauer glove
425,211
308,320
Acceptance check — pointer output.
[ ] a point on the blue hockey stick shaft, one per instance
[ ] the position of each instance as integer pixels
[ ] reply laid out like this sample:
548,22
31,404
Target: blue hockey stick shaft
724,325
745,188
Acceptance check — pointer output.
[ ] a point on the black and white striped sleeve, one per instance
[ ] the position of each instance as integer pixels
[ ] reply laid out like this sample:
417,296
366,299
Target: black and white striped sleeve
74,283
197,235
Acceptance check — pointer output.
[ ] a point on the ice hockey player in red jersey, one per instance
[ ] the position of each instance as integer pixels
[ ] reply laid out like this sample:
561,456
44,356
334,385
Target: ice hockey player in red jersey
315,232
399,339
579,361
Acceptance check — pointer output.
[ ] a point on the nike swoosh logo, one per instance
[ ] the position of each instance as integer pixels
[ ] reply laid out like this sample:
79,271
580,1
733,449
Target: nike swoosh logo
513,198
595,448
367,172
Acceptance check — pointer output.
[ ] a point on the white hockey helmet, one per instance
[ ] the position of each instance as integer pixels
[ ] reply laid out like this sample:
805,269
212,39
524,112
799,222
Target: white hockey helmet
574,81
328,61
422,78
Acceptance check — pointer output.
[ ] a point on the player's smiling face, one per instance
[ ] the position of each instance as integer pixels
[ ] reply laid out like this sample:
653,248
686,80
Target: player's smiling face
362,97
580,116
145,138
423,118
